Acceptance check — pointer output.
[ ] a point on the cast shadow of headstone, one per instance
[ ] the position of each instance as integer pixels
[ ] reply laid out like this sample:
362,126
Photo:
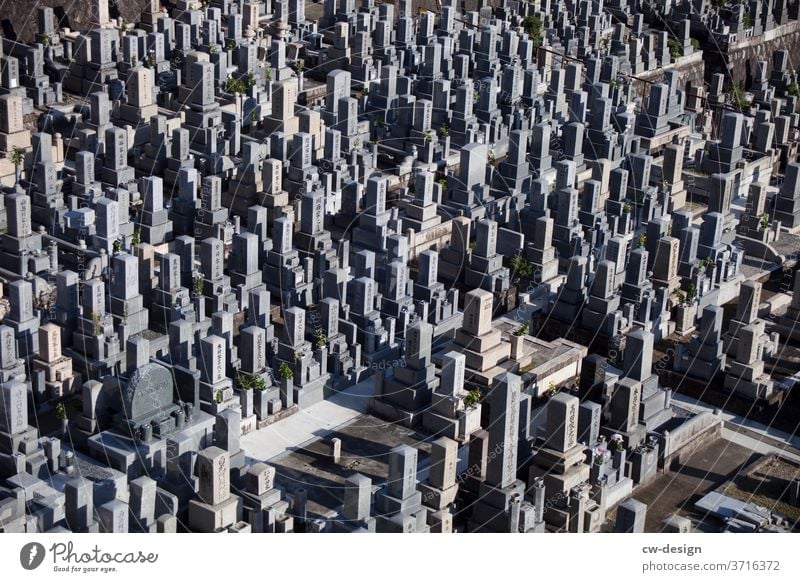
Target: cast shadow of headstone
8,29
61,16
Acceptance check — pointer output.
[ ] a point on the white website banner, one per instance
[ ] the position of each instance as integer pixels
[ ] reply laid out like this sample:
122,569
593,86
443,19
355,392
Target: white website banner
343,557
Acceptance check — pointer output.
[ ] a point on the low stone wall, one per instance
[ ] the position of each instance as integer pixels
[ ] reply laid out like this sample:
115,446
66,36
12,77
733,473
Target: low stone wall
688,437
760,250
772,412
21,14
738,61
691,68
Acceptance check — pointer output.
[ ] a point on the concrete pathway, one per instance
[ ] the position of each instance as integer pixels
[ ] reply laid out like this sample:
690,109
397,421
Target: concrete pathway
309,424
732,421
758,445
323,418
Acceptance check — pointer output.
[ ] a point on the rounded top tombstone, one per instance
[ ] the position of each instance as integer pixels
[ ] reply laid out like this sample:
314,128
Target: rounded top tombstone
149,391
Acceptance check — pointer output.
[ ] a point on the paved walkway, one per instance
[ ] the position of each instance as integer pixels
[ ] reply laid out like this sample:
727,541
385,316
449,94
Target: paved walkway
748,433
322,418
309,424
758,445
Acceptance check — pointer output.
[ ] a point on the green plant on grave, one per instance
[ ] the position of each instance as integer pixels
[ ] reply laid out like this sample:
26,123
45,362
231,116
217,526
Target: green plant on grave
233,85
520,266
443,183
476,96
250,79
444,131
793,89
691,292
136,239
533,27
626,208
117,246
61,411
522,329
259,383
17,158
125,313
230,44
98,329
197,285
681,297
675,48
747,21
472,398
46,38
378,122
245,381
552,388
218,397
695,44
598,459
642,240
212,49
473,246
268,75
427,137
736,95
764,220
286,372
322,339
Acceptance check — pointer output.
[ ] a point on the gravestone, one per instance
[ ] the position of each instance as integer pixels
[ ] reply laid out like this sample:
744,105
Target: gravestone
213,471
